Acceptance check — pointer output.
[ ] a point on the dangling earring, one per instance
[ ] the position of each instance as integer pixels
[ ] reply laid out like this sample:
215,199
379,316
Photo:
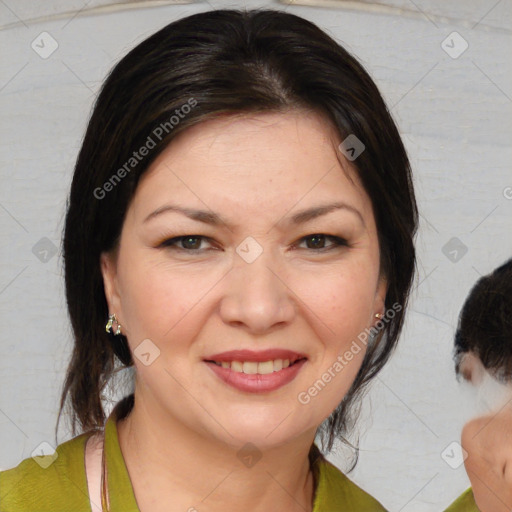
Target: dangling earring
111,319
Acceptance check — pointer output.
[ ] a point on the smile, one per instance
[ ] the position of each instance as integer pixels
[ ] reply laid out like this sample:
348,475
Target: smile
256,372
252,368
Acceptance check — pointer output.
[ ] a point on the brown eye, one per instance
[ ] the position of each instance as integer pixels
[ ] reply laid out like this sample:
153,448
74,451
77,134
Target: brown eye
318,242
191,243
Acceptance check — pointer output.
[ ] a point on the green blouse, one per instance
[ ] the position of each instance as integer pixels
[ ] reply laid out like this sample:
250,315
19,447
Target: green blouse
62,486
465,503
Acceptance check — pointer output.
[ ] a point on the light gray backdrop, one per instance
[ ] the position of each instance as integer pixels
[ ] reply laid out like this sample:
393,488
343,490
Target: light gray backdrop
445,70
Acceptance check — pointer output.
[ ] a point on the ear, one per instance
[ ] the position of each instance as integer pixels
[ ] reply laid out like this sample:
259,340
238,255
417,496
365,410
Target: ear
108,264
471,368
380,297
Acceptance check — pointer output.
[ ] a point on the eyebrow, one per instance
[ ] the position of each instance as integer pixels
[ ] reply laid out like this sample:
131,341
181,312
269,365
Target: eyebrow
215,220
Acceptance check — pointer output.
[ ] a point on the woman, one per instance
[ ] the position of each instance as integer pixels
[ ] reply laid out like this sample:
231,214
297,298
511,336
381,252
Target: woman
241,223
483,357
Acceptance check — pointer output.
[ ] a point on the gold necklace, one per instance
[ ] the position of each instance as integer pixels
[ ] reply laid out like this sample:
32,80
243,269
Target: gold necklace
105,498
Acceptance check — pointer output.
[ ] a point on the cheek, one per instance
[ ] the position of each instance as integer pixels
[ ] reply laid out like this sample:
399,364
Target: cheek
342,300
154,298
165,302
341,316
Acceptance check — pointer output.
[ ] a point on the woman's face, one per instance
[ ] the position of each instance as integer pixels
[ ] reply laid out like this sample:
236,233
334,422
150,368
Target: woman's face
232,243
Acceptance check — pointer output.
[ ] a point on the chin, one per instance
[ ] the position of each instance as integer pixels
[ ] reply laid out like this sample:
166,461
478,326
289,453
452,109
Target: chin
264,433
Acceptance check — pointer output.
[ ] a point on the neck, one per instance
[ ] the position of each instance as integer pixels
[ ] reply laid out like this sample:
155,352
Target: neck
173,468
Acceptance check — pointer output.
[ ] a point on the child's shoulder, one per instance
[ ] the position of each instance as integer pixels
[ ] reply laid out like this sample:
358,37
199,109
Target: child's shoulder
464,503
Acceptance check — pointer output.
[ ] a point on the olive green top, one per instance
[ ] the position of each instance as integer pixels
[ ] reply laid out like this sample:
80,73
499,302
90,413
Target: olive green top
49,484
465,503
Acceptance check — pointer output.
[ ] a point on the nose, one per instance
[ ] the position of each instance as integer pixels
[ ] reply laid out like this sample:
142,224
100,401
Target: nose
257,297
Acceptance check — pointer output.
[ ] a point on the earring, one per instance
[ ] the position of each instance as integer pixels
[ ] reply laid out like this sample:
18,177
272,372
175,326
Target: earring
378,316
111,319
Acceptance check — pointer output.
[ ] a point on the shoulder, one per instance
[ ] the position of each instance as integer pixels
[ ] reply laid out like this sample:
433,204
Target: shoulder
335,489
48,482
464,503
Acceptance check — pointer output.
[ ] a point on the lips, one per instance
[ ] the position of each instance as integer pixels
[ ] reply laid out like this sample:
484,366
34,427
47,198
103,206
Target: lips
256,372
258,357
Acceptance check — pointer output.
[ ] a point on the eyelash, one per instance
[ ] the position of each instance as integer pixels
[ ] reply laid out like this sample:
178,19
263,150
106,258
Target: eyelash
337,242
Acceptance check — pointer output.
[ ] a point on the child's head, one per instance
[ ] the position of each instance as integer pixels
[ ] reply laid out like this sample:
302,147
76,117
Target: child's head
483,341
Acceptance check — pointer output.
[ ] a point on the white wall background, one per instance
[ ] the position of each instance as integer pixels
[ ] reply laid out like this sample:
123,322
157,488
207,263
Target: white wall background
455,115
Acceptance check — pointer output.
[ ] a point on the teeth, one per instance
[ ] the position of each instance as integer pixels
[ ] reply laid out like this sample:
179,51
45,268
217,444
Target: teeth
264,368
253,367
250,367
236,366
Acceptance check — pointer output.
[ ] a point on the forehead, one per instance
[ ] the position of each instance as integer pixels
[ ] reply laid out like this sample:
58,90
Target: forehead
306,127
251,159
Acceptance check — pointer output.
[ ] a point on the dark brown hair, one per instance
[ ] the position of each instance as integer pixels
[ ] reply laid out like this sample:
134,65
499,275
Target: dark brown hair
223,62
485,323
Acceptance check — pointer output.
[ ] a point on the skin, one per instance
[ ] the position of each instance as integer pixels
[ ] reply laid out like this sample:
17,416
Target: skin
488,441
255,171
490,394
